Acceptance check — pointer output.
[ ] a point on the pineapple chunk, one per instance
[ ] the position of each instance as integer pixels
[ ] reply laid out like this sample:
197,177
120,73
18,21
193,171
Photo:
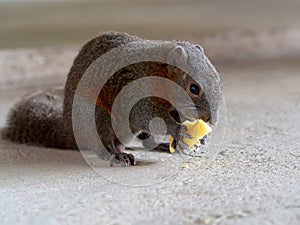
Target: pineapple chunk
197,129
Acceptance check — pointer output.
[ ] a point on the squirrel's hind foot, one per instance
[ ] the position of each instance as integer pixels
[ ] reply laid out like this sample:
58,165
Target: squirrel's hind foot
125,159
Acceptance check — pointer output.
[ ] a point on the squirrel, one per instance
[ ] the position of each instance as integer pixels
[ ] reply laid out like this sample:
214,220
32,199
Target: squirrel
45,117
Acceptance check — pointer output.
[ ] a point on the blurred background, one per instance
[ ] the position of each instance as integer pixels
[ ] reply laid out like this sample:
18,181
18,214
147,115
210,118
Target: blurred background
46,23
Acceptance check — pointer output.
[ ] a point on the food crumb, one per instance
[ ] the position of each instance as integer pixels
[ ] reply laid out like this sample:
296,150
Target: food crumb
186,166
206,221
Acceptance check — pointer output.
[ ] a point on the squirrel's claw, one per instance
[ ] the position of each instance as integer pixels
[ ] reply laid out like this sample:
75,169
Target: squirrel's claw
182,147
125,159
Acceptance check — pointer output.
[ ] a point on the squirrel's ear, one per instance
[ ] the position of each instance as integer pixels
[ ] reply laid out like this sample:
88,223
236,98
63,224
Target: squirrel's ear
177,56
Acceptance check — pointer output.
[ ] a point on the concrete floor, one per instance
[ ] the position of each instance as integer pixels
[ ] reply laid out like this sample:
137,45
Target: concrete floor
254,180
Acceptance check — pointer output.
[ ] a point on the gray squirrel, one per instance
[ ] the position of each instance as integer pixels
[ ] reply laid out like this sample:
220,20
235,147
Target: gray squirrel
45,117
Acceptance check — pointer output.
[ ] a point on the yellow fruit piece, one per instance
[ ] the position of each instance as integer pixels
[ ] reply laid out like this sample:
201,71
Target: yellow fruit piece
197,129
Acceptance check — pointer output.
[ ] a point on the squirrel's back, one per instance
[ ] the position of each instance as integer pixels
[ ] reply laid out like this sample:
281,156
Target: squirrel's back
91,51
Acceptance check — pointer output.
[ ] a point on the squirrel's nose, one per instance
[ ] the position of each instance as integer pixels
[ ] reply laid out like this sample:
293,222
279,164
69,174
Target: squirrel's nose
212,119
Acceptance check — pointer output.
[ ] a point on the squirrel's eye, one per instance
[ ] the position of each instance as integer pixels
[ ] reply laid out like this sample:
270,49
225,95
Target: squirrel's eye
195,89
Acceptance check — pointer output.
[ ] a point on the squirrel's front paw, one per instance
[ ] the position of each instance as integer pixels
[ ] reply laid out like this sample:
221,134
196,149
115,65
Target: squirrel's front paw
125,159
178,144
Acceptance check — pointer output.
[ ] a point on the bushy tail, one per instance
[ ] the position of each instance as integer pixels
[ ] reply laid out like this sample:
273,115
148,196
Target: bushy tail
38,119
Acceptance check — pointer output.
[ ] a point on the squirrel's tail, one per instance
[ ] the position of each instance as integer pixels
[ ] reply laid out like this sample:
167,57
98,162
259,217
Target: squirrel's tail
37,119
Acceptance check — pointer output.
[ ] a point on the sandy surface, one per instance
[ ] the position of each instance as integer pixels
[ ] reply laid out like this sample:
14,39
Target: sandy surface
253,180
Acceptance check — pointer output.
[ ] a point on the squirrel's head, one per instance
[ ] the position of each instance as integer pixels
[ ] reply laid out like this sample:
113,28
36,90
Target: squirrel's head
200,80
